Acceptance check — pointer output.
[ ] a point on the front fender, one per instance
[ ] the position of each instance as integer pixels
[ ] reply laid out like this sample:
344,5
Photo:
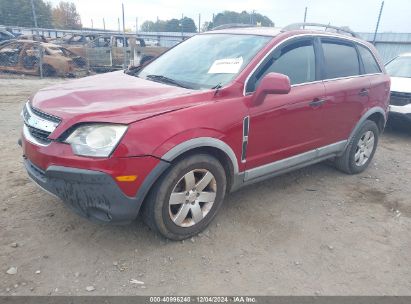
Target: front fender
193,139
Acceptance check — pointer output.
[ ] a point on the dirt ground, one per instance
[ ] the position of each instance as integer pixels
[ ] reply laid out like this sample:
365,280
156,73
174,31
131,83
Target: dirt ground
315,231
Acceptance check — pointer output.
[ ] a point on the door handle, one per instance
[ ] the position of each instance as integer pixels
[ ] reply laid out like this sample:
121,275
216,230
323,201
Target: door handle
363,92
317,102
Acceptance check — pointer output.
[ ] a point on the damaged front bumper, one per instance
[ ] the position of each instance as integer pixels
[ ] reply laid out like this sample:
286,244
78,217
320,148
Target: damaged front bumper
91,194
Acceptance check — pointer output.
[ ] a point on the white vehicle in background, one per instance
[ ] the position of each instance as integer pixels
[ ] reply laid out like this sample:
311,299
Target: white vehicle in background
399,69
151,42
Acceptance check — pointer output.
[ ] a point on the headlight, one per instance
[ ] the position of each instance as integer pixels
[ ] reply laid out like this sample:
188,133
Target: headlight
97,140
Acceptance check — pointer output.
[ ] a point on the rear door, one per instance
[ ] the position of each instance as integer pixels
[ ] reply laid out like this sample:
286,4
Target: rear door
347,89
379,82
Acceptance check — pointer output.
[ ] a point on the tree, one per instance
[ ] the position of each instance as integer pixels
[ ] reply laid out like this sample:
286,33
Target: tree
207,26
172,25
19,13
65,16
244,17
188,25
148,26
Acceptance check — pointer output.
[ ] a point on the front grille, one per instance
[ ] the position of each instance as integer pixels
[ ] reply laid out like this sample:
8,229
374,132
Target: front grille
45,115
400,99
39,124
40,135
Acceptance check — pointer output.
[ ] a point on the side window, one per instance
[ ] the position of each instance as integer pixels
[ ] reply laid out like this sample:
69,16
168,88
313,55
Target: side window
296,60
341,59
31,57
10,54
370,64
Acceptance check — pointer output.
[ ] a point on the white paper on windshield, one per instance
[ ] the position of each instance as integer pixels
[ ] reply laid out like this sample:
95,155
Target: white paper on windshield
226,66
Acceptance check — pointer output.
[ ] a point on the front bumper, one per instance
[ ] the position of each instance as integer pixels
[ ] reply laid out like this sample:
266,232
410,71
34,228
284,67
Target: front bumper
88,186
92,194
401,113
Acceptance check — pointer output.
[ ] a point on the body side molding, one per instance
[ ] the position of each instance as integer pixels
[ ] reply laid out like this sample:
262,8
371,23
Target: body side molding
294,161
246,129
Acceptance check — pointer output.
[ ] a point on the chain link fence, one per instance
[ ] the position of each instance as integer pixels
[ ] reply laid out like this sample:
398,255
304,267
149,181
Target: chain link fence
56,53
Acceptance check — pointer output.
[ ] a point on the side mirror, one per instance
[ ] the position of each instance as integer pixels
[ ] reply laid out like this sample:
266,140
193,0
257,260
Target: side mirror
272,83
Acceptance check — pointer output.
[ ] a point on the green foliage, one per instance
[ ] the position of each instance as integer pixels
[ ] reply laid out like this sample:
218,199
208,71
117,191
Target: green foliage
244,17
19,13
65,16
172,25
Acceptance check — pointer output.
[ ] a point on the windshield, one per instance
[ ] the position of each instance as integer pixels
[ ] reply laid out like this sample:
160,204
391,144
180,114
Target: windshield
205,61
399,67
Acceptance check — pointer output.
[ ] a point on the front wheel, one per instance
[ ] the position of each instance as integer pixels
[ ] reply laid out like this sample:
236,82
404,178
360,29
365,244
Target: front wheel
186,198
360,149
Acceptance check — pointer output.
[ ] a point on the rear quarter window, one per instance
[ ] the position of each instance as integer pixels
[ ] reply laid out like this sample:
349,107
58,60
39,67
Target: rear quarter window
370,64
341,59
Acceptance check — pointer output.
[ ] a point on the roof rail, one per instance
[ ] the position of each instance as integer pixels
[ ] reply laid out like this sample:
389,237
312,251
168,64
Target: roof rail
231,25
299,26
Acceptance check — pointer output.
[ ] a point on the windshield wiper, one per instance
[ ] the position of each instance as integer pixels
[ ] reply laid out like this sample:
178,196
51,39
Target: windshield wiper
164,79
217,88
132,71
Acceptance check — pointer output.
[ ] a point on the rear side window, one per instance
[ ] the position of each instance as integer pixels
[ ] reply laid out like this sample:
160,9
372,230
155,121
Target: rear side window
368,60
341,59
296,60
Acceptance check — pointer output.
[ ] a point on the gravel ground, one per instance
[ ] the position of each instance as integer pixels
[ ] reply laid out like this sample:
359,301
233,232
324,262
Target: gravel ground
315,231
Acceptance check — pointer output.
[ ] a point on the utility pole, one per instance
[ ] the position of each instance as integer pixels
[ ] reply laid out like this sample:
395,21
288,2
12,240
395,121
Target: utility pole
136,26
378,23
92,24
199,23
124,38
118,19
104,24
34,16
182,19
305,16
40,46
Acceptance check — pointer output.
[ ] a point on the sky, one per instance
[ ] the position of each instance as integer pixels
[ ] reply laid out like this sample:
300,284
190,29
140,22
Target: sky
359,15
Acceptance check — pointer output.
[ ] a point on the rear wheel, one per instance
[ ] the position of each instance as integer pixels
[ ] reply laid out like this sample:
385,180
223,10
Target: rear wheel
48,71
186,198
360,149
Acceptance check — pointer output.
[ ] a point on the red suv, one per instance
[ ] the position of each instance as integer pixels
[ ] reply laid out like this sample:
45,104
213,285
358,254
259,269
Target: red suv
221,110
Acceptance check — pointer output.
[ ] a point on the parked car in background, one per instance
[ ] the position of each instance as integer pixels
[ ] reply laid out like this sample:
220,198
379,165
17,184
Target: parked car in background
6,35
400,102
219,111
110,52
23,57
151,42
34,37
74,39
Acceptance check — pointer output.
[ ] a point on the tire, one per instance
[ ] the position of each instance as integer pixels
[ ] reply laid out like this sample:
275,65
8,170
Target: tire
162,210
358,154
48,71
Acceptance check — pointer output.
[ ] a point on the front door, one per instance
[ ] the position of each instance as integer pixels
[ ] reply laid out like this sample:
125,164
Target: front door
288,125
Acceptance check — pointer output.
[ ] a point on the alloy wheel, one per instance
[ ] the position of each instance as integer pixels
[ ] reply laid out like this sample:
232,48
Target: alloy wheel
192,197
365,147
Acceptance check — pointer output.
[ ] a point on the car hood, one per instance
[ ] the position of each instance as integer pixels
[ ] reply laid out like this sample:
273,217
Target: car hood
112,97
401,84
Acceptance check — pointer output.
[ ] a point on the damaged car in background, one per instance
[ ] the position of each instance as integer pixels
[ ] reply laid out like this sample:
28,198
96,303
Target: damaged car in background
108,52
24,57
